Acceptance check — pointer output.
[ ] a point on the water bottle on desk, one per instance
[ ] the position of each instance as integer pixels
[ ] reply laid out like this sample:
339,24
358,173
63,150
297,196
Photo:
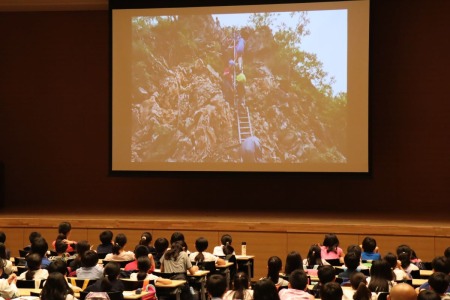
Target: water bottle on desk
244,249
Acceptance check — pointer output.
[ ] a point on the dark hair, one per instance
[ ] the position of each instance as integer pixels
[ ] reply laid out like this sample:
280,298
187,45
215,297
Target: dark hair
391,258
60,246
331,242
447,253
33,263
351,261
39,246
89,259
110,273
176,237
106,237
216,285
380,276
58,265
141,250
143,265
2,237
293,262
33,235
405,259
314,257
201,244
240,284
331,291
2,253
369,244
439,282
428,295
64,228
355,249
274,265
265,289
146,238
298,280
55,288
174,251
441,264
82,246
362,292
356,278
119,242
226,241
161,245
326,274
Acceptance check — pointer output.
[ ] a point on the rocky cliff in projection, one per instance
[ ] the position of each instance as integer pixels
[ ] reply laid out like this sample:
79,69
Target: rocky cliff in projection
187,98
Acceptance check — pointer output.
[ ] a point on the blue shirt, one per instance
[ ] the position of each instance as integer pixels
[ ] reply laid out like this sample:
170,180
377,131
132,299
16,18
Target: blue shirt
370,256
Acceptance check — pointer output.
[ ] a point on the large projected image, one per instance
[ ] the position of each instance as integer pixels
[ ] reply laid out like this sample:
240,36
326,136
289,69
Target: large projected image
221,91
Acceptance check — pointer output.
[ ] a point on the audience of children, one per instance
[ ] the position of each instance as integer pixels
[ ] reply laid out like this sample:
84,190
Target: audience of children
396,266
359,290
143,268
161,245
265,289
40,247
81,247
326,274
140,251
64,230
381,277
216,285
331,291
34,271
314,258
351,262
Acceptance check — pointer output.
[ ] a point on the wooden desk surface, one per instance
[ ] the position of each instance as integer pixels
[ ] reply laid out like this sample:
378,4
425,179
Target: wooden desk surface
244,257
226,265
174,284
426,273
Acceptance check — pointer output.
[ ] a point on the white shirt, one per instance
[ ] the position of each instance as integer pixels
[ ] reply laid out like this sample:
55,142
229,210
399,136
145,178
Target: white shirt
208,256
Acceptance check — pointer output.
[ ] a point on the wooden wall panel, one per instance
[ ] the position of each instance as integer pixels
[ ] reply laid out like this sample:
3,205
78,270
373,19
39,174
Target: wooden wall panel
440,244
14,240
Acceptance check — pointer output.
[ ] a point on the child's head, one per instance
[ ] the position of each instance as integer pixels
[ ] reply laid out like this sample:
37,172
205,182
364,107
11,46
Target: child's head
439,282
265,289
381,269
58,265
143,265
441,264
369,244
355,249
82,246
226,239
314,255
176,237
293,262
391,258
216,285
140,251
64,228
356,278
34,235
39,246
428,295
2,237
298,280
89,259
106,237
331,291
60,247
326,274
161,245
201,244
331,242
274,264
119,242
241,281
146,238
351,261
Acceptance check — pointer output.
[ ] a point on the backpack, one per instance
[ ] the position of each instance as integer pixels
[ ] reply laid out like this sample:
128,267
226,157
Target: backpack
97,296
151,292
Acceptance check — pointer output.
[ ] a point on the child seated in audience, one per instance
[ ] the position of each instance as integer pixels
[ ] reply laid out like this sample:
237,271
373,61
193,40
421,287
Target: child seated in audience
370,249
61,251
326,274
447,253
351,261
90,269
274,266
439,264
404,254
119,253
3,240
34,271
216,285
241,288
32,236
81,248
146,240
331,291
265,289
140,251
56,288
396,267
109,282
330,248
8,288
40,247
439,282
60,266
179,237
314,258
6,265
106,239
161,245
144,267
201,244
64,230
175,260
226,248
298,283
359,290
358,251
293,262
381,277
428,295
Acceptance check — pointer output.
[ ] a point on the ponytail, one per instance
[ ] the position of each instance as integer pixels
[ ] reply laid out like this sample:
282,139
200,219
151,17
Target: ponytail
362,292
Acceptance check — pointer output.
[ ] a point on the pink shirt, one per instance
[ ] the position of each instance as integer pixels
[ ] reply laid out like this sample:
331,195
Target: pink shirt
331,254
293,294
